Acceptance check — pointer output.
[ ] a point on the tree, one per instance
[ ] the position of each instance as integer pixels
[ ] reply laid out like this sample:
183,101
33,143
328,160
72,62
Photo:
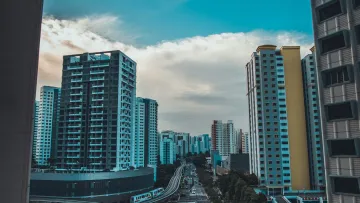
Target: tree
252,179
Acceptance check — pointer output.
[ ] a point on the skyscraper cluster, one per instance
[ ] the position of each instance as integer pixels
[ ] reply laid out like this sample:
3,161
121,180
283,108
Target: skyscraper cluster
95,122
174,145
225,138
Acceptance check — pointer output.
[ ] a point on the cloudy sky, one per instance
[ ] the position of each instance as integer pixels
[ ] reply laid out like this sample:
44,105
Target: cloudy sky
191,54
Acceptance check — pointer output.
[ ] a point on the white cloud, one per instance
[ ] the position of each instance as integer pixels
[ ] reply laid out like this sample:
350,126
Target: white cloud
195,80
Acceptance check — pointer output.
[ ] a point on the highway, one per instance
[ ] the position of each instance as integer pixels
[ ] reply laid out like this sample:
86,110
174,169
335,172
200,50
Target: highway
172,187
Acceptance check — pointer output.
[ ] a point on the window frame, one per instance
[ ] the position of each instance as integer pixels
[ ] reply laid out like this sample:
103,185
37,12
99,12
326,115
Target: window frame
332,181
350,69
342,7
353,105
346,36
356,143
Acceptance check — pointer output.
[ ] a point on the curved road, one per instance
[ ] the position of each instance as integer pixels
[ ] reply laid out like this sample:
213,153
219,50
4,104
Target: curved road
172,187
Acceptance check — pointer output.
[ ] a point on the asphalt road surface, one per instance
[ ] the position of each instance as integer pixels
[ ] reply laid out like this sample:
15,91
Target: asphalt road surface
200,194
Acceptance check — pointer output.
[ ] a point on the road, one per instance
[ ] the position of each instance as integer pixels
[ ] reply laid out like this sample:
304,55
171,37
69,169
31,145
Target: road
172,187
199,195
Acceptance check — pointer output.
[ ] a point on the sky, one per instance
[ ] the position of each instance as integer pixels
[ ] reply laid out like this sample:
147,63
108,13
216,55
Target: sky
191,54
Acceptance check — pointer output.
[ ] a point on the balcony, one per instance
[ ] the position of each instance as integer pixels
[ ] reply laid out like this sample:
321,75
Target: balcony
76,87
97,112
97,72
96,138
73,156
96,131
96,119
75,100
95,150
96,144
99,106
76,107
97,99
74,120
74,67
99,65
76,74
73,144
75,114
97,78
99,92
74,132
74,138
74,126
101,85
76,94
73,150
76,80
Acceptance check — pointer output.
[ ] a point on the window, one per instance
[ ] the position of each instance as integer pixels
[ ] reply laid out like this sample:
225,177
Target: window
329,10
334,41
337,76
348,185
356,3
343,110
343,147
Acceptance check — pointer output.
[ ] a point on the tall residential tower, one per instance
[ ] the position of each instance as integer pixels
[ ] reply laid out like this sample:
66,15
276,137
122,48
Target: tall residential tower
278,146
97,111
145,139
337,40
313,126
48,118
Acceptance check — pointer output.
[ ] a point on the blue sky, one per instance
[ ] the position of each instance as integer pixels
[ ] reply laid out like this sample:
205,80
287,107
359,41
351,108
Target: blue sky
157,20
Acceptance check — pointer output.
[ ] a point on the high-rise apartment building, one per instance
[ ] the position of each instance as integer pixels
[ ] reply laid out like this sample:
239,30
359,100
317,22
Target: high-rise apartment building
48,117
222,136
337,37
245,143
313,125
205,143
182,143
97,111
228,138
35,127
278,145
235,145
167,147
145,139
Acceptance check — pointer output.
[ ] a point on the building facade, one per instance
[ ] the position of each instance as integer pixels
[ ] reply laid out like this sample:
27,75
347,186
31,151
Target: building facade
97,111
205,143
337,35
167,147
182,141
145,139
48,117
35,127
277,119
313,125
245,144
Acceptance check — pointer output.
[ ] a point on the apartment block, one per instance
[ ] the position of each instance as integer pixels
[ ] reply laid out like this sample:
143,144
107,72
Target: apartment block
145,139
313,124
336,26
278,142
35,127
97,111
245,143
167,147
48,118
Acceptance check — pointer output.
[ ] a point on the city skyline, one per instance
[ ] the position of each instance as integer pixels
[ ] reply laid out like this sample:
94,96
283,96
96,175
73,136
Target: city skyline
201,85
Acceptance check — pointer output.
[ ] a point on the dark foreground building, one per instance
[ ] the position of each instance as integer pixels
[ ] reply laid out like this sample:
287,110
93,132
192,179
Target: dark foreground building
237,162
104,187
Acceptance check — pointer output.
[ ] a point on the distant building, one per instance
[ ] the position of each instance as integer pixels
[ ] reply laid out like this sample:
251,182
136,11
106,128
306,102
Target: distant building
145,139
35,127
182,141
236,147
97,111
167,147
245,143
48,120
222,136
205,143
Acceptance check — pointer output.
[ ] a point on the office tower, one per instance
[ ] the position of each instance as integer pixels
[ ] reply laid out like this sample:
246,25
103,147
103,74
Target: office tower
48,117
337,37
313,127
228,138
167,147
245,143
35,126
145,139
278,145
97,111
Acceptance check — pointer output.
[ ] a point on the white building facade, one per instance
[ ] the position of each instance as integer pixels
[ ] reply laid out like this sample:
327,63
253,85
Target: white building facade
46,123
